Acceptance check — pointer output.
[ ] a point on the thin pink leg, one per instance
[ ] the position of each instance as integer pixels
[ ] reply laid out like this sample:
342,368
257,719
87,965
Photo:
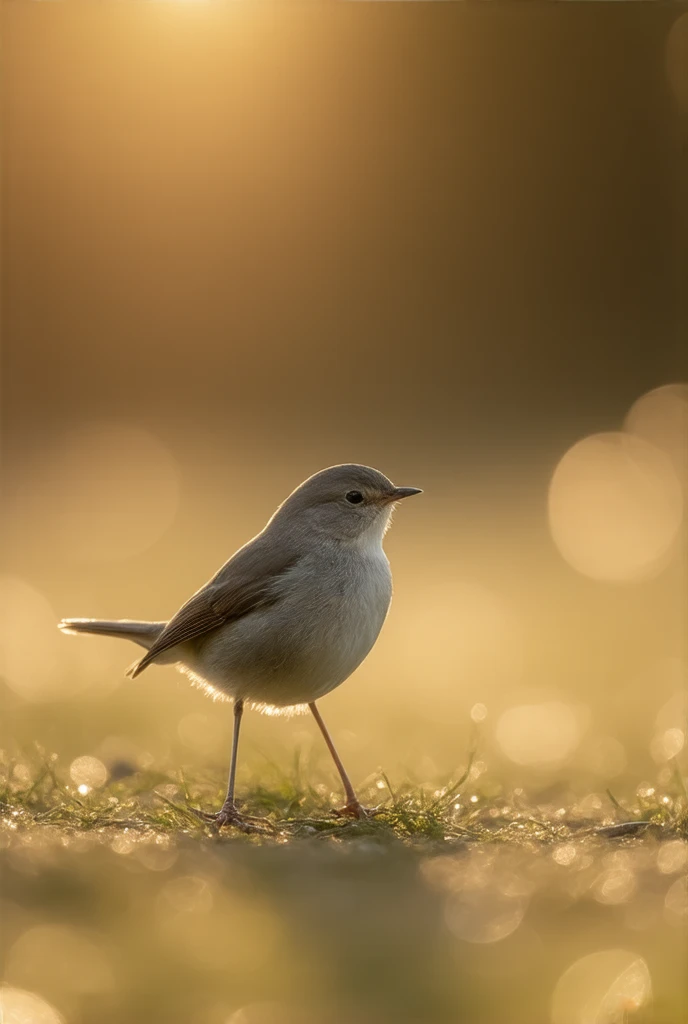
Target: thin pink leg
353,805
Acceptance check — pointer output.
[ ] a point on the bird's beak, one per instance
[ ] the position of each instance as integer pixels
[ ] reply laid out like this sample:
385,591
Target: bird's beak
404,492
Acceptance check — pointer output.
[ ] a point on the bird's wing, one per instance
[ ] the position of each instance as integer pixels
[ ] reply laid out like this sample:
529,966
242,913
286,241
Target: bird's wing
249,580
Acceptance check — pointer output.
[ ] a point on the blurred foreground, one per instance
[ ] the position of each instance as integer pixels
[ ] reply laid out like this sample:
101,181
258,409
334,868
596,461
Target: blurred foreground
446,907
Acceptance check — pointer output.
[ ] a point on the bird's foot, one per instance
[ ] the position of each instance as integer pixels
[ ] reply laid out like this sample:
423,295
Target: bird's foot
230,815
353,809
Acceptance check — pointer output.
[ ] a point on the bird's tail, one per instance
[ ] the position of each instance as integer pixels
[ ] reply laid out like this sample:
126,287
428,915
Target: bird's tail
142,633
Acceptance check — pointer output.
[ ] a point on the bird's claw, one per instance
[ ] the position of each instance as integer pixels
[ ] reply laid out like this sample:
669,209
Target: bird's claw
229,815
203,815
353,809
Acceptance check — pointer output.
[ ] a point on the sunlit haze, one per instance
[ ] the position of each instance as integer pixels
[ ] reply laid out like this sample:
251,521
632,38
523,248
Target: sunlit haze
246,241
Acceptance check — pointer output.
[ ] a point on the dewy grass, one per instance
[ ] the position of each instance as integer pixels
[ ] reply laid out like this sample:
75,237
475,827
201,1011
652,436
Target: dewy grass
290,809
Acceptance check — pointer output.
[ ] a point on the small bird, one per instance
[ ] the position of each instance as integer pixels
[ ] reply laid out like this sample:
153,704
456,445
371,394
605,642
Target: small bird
292,613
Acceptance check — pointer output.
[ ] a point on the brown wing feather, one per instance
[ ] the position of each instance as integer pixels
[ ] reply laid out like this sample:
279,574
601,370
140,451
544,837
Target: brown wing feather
246,582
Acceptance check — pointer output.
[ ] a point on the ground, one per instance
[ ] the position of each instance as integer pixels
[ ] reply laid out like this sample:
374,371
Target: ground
445,906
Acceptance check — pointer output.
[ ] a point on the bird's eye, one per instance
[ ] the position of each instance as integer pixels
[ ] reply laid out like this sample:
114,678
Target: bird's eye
355,497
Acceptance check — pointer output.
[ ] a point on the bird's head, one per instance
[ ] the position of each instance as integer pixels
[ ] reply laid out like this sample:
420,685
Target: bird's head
349,503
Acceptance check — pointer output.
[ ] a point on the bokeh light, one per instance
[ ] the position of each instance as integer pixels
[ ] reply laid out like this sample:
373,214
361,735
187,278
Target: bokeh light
615,506
564,854
482,904
156,852
617,882
539,734
188,894
676,903
18,1006
668,744
661,417
671,723
63,959
30,656
484,916
672,856
88,772
602,988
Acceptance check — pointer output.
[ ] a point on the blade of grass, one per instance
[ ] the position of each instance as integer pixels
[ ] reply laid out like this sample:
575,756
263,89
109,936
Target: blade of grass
617,805
450,793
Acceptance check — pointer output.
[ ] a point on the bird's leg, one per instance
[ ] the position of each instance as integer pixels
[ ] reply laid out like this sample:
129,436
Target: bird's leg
229,813
353,805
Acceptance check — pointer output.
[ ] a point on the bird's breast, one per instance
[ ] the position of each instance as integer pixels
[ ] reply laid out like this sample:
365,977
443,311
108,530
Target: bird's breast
327,617
339,608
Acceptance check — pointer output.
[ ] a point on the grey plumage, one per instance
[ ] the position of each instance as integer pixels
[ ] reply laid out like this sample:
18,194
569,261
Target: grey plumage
295,610
292,614
143,633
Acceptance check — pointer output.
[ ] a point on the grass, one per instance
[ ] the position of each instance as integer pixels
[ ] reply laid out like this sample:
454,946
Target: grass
468,901
290,810
465,901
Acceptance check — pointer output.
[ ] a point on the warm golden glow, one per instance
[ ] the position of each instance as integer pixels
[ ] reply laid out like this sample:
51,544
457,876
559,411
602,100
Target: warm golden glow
72,960
564,854
460,630
676,904
539,734
204,732
672,856
478,909
485,916
605,756
671,722
29,647
260,1013
156,852
661,417
103,492
617,882
615,507
88,772
478,713
20,1007
187,894
602,988
34,662
249,240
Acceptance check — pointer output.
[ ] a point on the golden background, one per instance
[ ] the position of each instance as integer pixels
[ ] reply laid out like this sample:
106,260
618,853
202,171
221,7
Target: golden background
246,241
